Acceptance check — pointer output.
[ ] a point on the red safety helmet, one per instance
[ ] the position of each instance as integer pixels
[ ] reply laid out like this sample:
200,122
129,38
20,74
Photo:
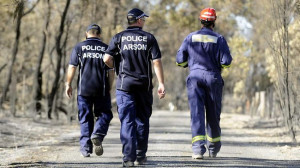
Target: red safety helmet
208,14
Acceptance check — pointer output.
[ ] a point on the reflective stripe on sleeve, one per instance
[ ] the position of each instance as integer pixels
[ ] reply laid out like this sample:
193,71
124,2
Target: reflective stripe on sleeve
182,64
226,66
213,139
198,138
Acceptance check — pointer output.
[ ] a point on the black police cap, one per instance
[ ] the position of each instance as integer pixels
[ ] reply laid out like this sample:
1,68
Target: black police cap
94,26
135,14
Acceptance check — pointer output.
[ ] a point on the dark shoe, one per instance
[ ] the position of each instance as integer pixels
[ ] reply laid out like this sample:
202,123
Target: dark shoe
85,154
98,146
128,164
86,151
197,156
212,155
140,161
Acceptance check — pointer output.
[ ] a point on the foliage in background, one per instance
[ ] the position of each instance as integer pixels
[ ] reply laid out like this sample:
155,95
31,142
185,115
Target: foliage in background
248,25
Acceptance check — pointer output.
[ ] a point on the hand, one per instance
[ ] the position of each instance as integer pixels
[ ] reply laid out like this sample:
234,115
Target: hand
161,91
68,91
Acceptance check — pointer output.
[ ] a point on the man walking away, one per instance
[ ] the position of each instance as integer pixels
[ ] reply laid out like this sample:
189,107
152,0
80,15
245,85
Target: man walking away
94,82
132,51
206,53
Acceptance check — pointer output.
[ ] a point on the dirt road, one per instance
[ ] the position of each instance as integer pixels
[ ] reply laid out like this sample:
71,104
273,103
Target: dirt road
247,142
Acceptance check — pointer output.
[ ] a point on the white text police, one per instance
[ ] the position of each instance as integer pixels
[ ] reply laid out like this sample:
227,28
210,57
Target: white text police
92,48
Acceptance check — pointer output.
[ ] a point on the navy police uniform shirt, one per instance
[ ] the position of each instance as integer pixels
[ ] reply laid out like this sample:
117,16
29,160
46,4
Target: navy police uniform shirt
205,50
92,79
133,49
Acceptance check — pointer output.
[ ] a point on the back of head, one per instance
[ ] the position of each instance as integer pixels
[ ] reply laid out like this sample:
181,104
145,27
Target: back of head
135,14
208,17
94,29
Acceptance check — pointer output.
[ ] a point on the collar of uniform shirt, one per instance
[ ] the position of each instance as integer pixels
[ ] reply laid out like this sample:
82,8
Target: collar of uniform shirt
93,38
134,27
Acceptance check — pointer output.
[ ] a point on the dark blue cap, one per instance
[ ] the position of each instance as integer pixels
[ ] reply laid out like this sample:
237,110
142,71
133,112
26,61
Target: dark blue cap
135,14
93,26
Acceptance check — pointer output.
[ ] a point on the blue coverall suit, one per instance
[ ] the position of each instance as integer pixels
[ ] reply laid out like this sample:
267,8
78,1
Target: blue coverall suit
205,53
93,91
133,49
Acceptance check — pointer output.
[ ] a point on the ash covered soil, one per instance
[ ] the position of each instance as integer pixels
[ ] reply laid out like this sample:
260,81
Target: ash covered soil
246,142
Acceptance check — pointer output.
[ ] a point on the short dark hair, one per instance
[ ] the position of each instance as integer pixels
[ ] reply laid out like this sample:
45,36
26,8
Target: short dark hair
94,32
131,20
208,23
134,15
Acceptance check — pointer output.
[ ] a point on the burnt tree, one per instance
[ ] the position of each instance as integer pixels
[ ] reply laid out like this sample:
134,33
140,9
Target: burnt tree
59,52
37,85
18,15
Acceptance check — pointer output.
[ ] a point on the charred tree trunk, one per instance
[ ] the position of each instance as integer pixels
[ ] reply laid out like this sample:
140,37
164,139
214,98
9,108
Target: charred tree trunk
286,5
19,15
37,86
84,5
282,10
2,67
58,48
59,97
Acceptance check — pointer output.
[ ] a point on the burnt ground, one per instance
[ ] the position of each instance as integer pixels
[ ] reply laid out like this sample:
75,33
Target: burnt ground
247,142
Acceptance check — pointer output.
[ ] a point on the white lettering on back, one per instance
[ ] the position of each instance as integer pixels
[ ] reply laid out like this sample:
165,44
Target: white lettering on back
92,55
135,47
92,48
134,38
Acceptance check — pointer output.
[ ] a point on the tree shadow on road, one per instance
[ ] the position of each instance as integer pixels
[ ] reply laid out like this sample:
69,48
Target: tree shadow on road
180,161
174,161
263,144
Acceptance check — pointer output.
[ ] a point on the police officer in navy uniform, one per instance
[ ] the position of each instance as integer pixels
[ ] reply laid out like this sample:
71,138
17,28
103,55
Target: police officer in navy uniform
131,53
206,53
94,82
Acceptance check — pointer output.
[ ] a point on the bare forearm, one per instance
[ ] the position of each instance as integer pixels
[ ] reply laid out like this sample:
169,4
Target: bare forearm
108,60
160,77
70,74
158,69
111,77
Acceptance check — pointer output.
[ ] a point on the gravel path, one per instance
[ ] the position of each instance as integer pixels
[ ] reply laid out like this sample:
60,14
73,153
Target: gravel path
247,142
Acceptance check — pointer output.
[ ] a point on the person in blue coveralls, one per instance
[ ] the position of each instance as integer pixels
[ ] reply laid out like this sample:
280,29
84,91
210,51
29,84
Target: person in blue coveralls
206,53
131,53
95,80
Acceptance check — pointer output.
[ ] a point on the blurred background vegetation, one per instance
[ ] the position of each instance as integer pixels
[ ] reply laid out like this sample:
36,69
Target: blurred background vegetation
37,36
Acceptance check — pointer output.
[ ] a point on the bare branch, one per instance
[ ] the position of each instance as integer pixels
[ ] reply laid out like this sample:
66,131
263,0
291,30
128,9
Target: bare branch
33,6
19,9
2,67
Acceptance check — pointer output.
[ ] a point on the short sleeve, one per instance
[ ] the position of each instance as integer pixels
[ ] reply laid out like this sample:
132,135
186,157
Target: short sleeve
113,47
74,60
155,51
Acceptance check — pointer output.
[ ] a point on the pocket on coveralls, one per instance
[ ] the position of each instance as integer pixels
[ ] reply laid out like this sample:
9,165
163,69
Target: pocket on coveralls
119,100
189,83
218,80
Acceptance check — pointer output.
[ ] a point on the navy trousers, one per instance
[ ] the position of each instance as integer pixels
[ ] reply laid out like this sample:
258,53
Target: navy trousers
88,108
135,109
205,98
